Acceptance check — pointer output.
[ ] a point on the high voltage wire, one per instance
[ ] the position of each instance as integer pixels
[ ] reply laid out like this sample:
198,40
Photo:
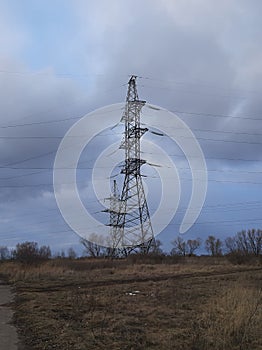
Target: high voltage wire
192,83
198,92
212,115
56,120
179,137
213,130
221,222
234,206
39,123
44,169
118,133
216,115
222,207
53,74
184,179
211,158
52,220
175,111
204,209
79,136
248,205
11,165
97,200
39,137
226,222
28,159
90,168
170,224
87,76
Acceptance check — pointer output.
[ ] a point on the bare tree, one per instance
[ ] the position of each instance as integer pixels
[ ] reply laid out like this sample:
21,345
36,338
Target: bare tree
59,254
193,245
255,241
44,252
242,242
71,253
245,242
231,245
26,252
94,247
155,248
184,248
111,250
214,245
179,247
29,253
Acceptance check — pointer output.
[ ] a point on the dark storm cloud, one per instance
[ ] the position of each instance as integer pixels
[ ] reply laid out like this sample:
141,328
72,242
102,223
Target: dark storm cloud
34,99
191,64
200,59
194,62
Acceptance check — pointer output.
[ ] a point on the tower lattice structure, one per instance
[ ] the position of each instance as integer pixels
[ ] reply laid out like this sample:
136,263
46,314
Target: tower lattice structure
113,211
132,224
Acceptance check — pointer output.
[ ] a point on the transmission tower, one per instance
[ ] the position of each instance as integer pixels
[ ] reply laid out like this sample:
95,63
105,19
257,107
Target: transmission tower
132,224
113,211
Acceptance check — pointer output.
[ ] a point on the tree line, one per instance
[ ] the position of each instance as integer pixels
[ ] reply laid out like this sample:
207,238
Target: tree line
246,243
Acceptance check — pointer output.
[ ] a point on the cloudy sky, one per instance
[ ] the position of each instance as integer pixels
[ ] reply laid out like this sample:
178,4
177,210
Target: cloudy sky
62,59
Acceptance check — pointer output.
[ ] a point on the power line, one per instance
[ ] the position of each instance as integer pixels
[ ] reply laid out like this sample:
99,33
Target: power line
33,213
173,111
39,123
215,115
194,92
184,179
11,165
79,136
215,131
205,84
170,224
207,207
118,133
248,205
28,159
91,167
56,120
88,75
54,74
212,158
221,222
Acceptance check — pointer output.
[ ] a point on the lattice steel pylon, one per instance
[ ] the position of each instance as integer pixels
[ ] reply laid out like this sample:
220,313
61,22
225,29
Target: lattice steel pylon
133,226
113,210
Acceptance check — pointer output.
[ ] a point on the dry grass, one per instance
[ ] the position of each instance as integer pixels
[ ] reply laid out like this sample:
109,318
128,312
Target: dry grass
232,320
191,304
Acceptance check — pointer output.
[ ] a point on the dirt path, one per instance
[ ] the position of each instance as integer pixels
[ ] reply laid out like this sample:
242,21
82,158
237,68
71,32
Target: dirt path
8,334
109,282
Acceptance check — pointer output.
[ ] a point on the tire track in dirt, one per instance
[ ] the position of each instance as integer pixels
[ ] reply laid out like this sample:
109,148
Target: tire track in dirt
110,282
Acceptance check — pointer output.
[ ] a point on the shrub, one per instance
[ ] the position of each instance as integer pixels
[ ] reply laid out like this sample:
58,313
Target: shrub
29,253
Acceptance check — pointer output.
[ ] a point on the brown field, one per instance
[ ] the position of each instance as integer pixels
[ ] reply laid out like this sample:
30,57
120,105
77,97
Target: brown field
197,303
